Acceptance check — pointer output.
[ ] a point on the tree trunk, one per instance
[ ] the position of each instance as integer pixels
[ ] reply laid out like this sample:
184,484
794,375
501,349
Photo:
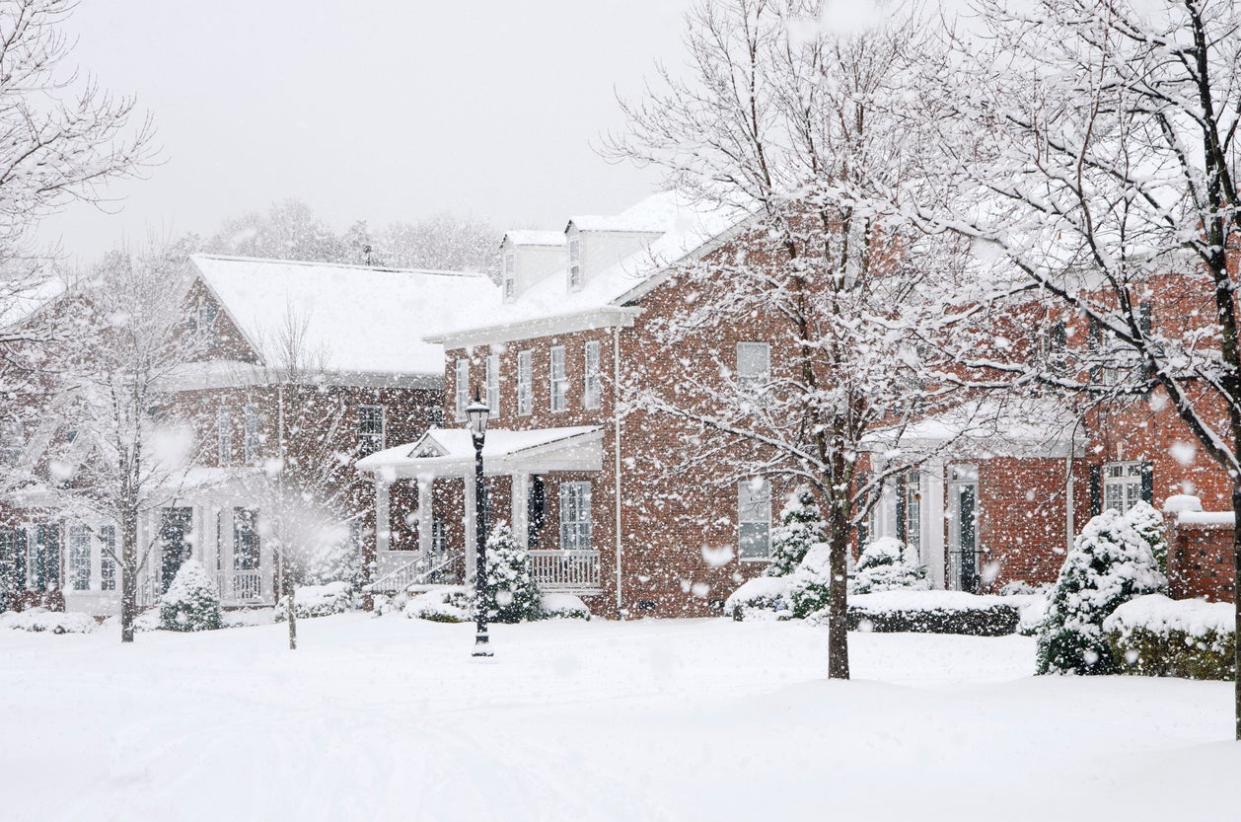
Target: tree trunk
129,574
1236,604
838,603
291,611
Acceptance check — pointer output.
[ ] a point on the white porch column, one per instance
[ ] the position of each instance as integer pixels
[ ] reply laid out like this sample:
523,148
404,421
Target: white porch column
934,522
467,519
426,515
383,517
521,511
267,564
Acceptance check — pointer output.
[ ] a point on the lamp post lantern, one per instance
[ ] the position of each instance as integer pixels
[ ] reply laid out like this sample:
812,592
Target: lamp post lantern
476,414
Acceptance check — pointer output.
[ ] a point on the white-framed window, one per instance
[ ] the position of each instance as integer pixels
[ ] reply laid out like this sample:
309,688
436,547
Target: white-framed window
509,277
246,545
575,521
592,379
1122,485
370,429
107,550
461,391
753,366
754,519
493,384
252,441
558,382
205,319
224,436
911,500
12,442
79,558
575,263
525,383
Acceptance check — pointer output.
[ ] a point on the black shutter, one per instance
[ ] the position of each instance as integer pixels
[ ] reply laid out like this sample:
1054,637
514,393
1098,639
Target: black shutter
51,546
1096,490
536,510
1148,483
1144,318
902,530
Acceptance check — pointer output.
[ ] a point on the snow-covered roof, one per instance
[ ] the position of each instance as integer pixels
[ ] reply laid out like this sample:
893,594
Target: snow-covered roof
990,427
357,319
683,225
447,450
532,237
22,299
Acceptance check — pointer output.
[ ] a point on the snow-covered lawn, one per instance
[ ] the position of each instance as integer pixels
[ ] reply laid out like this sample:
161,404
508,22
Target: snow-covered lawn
390,718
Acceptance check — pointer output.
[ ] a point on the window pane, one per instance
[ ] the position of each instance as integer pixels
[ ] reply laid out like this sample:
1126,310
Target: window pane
755,540
79,558
753,360
107,565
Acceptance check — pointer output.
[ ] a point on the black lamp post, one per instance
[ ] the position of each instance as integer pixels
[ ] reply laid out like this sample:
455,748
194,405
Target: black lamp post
476,421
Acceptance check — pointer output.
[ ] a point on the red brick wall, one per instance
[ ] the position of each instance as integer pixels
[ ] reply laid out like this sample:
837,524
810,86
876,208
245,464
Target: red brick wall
1200,562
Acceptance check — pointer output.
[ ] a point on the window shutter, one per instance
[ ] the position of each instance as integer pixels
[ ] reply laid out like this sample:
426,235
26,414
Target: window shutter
536,510
1148,483
51,547
1096,490
1144,318
901,530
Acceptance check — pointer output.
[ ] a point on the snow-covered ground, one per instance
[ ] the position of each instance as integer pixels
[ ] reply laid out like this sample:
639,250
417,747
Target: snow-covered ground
390,718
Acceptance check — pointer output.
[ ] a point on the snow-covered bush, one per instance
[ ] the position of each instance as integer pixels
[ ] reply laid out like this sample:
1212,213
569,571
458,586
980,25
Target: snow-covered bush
192,602
1018,588
1109,564
563,606
510,594
932,612
801,527
882,566
1033,614
810,585
1158,636
41,620
317,600
1149,524
761,597
449,603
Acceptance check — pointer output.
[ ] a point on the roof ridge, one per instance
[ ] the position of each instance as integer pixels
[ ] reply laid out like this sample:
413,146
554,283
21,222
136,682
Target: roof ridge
328,264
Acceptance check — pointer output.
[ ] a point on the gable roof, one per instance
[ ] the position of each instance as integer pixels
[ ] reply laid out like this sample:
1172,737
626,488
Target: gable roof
684,226
358,320
524,236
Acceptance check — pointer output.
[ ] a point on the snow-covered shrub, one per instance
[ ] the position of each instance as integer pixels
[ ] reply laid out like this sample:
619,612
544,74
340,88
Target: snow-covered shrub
450,603
1158,636
810,585
510,594
563,606
761,597
932,612
41,620
1149,524
191,602
801,527
882,566
1018,588
317,600
1033,614
1109,564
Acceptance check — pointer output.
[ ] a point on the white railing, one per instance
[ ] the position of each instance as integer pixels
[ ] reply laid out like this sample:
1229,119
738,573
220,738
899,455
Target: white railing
565,570
418,571
148,593
240,586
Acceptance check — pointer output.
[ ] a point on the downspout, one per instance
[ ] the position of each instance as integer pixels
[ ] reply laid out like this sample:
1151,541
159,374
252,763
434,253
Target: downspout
616,461
1069,502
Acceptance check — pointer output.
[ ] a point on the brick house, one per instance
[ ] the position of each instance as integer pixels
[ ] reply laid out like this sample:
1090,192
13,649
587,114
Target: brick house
364,379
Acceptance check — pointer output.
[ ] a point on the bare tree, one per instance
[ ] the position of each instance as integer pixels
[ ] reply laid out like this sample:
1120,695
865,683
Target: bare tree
783,117
121,368
1090,147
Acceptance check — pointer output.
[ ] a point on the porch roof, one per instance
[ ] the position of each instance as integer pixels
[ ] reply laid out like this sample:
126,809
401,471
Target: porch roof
991,428
450,452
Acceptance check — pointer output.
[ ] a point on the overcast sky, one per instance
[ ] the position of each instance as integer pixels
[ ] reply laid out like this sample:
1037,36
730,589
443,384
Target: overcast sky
373,109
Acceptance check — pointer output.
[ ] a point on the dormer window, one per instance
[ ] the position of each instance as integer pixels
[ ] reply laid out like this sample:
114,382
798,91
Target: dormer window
575,264
509,277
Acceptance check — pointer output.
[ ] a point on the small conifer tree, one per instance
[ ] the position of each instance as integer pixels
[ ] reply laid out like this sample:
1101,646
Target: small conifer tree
510,592
192,602
801,527
1109,564
1149,524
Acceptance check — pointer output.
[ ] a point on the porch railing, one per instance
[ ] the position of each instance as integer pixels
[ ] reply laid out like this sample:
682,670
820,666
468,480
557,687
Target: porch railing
565,570
148,593
418,571
240,586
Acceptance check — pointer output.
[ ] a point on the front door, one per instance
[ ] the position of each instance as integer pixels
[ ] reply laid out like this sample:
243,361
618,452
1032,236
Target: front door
174,537
963,543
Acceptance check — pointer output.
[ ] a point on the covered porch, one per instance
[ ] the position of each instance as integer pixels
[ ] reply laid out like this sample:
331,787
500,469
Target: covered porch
425,504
